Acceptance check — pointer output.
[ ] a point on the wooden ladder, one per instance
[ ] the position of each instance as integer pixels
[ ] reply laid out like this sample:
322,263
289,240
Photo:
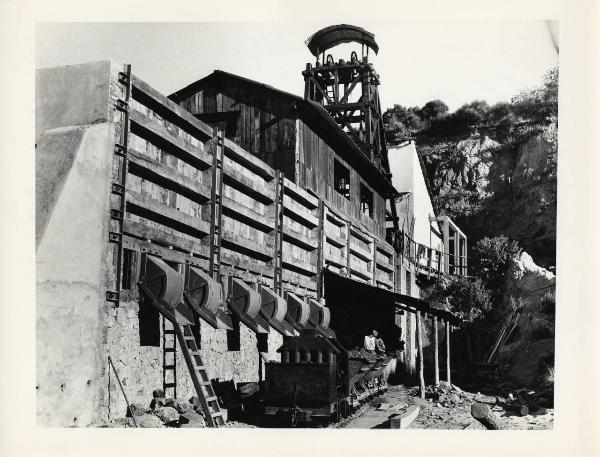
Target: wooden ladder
213,415
169,364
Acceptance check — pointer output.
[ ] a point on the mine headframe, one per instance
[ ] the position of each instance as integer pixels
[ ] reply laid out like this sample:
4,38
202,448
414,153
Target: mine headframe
348,89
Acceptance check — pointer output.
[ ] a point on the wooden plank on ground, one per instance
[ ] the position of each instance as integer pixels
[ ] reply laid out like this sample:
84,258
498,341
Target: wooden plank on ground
402,421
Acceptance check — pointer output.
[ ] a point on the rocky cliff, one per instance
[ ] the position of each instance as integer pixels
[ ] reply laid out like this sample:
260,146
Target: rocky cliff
491,168
492,188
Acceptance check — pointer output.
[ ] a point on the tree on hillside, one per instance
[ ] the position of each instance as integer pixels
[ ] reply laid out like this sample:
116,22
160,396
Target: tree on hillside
433,110
541,103
490,258
468,298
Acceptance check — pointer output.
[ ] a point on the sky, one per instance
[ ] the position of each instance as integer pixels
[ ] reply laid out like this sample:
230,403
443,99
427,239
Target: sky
456,62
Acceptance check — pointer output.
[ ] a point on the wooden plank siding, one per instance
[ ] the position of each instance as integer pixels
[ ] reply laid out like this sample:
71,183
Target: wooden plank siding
263,127
170,181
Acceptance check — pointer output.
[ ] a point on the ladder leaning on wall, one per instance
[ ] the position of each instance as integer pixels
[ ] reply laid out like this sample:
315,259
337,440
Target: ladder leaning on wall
179,315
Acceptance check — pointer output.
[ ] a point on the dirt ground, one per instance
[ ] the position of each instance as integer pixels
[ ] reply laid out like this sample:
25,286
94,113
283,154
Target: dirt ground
452,412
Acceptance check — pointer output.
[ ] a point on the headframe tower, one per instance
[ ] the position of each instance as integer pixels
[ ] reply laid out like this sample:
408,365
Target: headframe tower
348,90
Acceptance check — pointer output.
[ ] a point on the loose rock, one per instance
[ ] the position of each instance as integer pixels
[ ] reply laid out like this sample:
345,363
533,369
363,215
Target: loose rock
191,419
149,421
135,410
167,414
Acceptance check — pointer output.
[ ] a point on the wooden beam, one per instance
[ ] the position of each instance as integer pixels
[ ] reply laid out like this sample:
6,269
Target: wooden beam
448,377
163,236
157,134
436,361
242,213
300,195
142,166
420,356
247,160
299,213
299,239
156,211
253,188
486,417
168,109
350,89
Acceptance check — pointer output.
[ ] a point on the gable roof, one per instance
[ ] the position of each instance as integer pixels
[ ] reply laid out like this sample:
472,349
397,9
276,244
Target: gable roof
313,115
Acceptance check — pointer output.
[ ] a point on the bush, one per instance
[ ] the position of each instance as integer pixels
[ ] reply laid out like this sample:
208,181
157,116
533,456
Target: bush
548,304
490,259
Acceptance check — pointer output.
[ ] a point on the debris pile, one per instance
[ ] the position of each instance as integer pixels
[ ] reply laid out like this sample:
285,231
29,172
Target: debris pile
163,412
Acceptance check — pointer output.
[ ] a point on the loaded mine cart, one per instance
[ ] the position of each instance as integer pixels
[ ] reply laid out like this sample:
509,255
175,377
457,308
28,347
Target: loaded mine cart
318,378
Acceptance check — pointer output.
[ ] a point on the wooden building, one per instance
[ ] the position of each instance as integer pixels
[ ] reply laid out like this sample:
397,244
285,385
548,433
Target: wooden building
227,201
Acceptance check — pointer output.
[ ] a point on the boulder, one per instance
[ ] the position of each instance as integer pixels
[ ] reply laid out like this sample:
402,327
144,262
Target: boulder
148,421
157,402
135,409
191,419
179,405
121,422
158,393
167,414
445,385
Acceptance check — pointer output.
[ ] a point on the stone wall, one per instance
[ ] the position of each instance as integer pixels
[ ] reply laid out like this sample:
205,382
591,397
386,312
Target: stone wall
140,367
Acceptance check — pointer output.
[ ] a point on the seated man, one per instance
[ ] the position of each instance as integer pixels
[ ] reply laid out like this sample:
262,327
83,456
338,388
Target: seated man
379,344
371,341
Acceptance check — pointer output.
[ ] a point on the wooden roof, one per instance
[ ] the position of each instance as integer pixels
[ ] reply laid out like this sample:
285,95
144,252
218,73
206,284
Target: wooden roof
333,35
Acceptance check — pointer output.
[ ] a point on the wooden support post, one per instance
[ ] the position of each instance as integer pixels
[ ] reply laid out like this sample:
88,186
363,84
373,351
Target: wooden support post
446,229
448,379
436,361
420,355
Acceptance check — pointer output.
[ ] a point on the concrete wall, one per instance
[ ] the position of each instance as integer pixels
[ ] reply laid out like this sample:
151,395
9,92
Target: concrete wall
71,95
71,271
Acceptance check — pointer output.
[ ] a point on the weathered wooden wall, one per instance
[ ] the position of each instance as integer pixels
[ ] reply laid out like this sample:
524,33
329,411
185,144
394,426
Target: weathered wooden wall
263,127
315,172
268,127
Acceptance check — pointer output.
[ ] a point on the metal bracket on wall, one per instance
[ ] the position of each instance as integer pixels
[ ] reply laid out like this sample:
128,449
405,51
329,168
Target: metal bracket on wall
278,276
117,215
216,210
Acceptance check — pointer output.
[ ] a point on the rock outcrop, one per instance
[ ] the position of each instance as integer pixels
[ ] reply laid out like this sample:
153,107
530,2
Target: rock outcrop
530,352
492,188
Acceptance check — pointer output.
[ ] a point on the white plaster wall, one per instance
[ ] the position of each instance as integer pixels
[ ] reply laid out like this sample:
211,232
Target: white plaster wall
408,177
